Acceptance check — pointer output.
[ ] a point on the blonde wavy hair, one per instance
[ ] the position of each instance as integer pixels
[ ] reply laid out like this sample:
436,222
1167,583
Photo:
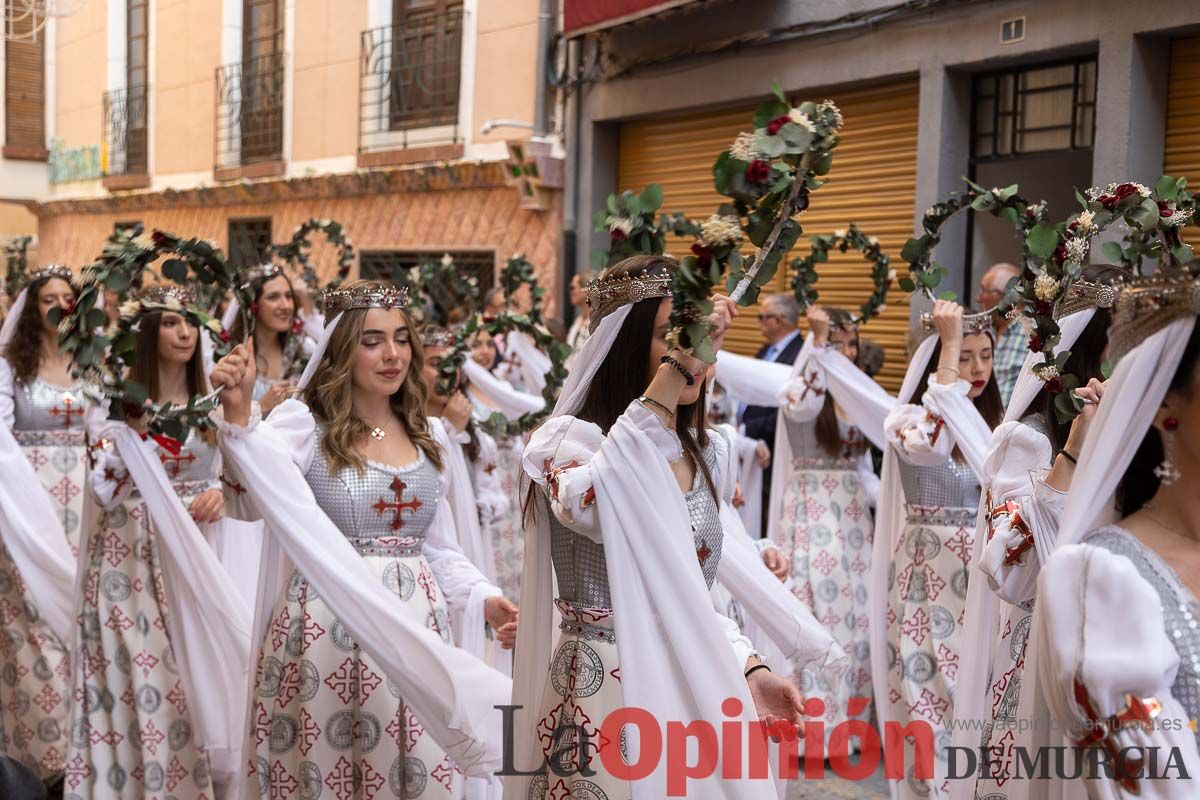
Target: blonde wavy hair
329,394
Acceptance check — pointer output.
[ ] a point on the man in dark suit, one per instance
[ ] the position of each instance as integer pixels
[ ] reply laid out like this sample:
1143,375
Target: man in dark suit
777,318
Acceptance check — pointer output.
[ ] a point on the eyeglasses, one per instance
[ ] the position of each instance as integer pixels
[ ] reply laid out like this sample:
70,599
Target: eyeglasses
765,317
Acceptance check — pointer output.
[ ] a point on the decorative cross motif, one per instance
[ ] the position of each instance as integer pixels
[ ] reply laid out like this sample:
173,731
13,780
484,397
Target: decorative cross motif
1139,712
703,552
69,411
937,427
177,462
1167,473
382,506
808,386
1009,508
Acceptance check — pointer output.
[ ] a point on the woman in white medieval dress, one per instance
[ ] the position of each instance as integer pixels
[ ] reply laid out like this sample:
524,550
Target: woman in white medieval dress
1115,647
924,538
625,452
44,408
822,523
133,729
323,714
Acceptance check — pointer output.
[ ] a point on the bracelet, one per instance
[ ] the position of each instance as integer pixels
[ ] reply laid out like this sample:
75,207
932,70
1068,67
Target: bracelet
1069,457
759,666
644,400
680,368
951,369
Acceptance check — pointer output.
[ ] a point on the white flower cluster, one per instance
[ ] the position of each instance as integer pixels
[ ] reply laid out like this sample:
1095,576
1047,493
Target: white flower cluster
801,119
1037,209
1045,287
622,224
720,230
873,241
1178,218
130,308
1047,371
744,149
840,233
213,325
447,260
143,241
1111,188
1086,220
828,105
1077,250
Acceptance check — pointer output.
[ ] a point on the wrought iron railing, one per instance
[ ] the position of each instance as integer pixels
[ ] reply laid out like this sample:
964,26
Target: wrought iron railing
125,126
409,79
249,112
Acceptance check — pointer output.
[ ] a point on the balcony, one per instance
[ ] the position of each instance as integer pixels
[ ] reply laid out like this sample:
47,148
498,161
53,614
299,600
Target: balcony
125,138
408,90
249,119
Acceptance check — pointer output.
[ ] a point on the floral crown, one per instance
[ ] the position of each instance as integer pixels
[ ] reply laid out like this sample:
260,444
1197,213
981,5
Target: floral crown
375,296
167,293
436,336
259,271
972,324
1147,305
606,295
52,271
1084,295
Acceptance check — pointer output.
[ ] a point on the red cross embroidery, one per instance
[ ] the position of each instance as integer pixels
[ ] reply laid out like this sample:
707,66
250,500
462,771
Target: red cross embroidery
552,472
236,487
382,506
120,480
937,428
177,462
69,411
703,552
1016,553
1138,712
808,386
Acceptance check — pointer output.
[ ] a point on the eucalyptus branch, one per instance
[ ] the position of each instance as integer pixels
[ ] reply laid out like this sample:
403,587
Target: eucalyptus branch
798,188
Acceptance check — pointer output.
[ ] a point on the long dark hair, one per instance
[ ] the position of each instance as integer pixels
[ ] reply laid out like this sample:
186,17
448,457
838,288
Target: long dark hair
1139,483
829,436
239,326
144,369
24,351
621,378
988,403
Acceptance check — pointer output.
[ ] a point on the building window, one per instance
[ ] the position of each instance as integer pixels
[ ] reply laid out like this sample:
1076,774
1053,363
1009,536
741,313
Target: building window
250,93
390,265
411,69
249,241
1034,109
125,112
24,87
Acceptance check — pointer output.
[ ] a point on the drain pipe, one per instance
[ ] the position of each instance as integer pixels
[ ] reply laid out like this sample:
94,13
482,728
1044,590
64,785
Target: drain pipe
542,83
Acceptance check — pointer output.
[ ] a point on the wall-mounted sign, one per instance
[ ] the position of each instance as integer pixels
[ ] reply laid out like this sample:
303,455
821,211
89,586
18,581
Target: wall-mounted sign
74,164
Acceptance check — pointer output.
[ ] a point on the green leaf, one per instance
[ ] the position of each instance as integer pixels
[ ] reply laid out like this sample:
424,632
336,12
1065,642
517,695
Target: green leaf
1042,240
1083,203
613,209
751,296
1106,369
982,203
95,318
175,269
117,280
911,250
796,137
135,392
1010,214
633,206
652,198
948,296
769,110
1007,191
778,92
906,284
1113,252
704,350
770,146
1167,188
1182,254
1064,408
822,165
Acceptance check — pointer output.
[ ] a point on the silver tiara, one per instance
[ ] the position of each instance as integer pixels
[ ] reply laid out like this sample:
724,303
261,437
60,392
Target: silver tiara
165,292
972,324
1146,306
436,336
606,295
260,271
1084,295
373,296
52,271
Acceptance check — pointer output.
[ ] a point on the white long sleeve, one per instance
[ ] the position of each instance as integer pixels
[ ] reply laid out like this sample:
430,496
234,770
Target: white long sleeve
7,394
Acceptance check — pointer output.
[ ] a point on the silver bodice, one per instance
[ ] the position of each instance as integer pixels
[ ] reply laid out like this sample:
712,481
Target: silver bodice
262,386
802,437
1181,610
383,510
197,462
950,484
41,406
579,562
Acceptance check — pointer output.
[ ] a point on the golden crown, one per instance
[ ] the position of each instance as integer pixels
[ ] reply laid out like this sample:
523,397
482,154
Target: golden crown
165,293
606,295
263,271
373,296
1147,305
1084,295
52,271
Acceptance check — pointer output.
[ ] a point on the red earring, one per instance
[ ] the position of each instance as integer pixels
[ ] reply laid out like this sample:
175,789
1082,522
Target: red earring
1167,472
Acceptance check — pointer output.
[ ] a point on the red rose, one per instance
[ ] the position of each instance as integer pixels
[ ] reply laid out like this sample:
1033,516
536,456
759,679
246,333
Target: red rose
1054,385
254,308
1164,209
1074,226
489,318
1035,343
1060,254
1108,202
297,325
224,335
774,125
1124,190
160,239
1043,308
758,172
703,254
618,235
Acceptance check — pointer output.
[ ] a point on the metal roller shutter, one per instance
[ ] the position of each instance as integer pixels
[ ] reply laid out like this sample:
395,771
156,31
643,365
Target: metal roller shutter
24,91
1182,149
871,184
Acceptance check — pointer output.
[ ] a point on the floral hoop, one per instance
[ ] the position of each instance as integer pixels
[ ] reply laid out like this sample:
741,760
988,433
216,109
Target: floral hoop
925,274
519,272
882,274
629,220
296,252
17,264
1154,220
558,351
101,357
437,284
